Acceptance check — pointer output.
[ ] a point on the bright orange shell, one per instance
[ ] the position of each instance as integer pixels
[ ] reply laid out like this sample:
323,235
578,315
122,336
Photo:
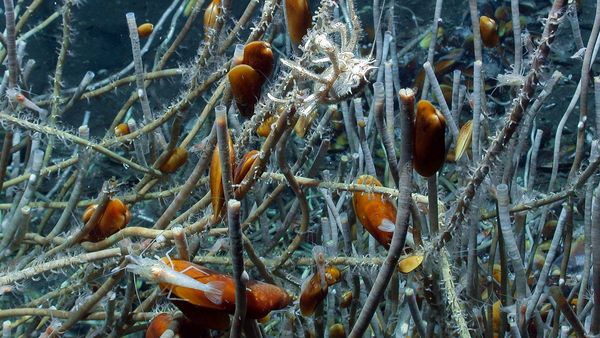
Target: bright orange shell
246,84
311,295
244,167
176,159
158,325
122,129
187,328
145,29
264,129
258,55
332,275
115,217
213,10
376,213
262,298
299,19
429,149
489,31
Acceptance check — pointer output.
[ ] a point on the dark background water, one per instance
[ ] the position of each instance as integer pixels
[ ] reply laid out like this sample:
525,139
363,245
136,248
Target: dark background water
100,43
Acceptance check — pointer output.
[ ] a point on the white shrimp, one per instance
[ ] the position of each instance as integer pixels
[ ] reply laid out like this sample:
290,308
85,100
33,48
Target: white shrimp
16,96
157,271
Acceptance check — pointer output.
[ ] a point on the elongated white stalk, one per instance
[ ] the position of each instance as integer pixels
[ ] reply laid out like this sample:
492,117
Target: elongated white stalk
439,96
377,15
388,38
335,223
224,152
476,32
15,163
534,156
74,196
574,21
455,94
414,311
552,252
139,76
587,229
140,145
509,241
350,128
516,24
361,122
11,46
4,83
476,111
85,82
389,99
35,145
433,41
240,276
326,232
385,133
595,329
597,102
19,216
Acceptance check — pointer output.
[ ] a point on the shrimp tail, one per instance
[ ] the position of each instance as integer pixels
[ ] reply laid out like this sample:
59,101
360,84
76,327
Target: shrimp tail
214,292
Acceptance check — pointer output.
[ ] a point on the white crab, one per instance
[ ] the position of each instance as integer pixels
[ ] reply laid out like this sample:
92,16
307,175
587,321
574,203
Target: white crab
344,73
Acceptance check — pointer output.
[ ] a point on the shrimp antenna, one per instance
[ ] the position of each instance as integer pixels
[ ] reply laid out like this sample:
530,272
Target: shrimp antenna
137,294
154,240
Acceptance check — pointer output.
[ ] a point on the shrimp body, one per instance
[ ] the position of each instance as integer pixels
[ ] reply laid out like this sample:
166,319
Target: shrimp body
156,271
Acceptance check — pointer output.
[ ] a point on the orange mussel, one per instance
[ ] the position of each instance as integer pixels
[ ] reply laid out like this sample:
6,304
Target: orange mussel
246,79
375,211
264,129
213,10
244,167
314,291
122,129
186,328
262,298
176,159
115,217
429,152
145,29
489,31
258,55
298,19
246,84
216,179
158,325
